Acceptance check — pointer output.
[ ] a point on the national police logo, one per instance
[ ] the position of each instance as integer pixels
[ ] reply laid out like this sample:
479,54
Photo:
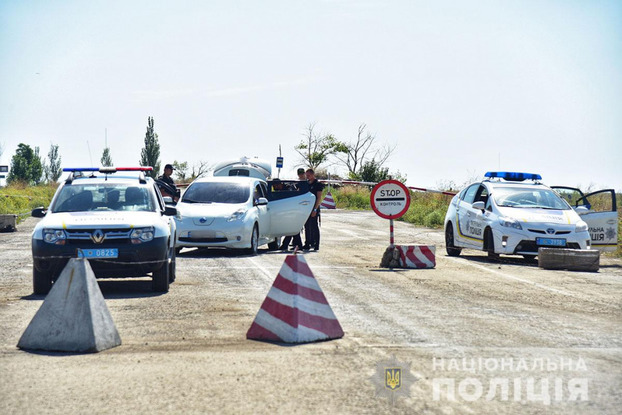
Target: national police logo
393,378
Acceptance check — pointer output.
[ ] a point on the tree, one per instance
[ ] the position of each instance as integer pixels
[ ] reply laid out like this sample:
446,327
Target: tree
150,154
372,171
26,165
52,170
106,159
354,155
316,148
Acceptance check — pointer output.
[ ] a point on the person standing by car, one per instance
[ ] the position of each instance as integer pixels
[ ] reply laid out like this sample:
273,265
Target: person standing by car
312,228
169,189
297,239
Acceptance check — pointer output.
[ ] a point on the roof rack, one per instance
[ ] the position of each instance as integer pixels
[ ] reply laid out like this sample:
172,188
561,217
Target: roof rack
78,172
513,176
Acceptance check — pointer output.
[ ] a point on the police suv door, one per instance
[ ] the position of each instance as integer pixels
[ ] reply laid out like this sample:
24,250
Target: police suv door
599,210
469,224
289,207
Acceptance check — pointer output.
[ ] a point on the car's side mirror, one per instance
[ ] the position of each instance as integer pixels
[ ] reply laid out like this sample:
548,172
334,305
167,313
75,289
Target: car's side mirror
170,211
39,212
262,201
581,209
479,205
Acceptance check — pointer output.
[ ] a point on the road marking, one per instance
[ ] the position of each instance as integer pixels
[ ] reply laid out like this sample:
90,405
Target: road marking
535,284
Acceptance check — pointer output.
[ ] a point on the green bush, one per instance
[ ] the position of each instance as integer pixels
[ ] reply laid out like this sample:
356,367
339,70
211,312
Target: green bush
19,199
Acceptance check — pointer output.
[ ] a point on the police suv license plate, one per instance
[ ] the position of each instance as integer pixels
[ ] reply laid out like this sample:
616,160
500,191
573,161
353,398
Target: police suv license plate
550,241
98,253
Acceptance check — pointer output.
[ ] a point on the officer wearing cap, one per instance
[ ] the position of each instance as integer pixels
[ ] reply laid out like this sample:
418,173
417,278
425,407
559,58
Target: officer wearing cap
171,188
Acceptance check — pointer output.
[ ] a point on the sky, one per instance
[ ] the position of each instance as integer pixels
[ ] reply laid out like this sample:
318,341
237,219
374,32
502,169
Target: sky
457,87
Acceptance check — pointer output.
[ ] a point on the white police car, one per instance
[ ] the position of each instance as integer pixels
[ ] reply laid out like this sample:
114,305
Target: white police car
513,213
118,221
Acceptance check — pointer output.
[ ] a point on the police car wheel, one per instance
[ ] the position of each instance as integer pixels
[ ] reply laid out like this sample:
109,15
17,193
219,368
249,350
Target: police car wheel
160,279
41,282
489,245
254,241
449,242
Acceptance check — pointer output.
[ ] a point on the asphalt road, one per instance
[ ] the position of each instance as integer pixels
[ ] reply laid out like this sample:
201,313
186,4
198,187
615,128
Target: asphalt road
504,337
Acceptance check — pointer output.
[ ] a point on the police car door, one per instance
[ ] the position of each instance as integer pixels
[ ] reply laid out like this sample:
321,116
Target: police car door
289,207
599,210
469,220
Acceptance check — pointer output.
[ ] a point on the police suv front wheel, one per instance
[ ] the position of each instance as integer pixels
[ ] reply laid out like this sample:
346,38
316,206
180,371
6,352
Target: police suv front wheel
41,282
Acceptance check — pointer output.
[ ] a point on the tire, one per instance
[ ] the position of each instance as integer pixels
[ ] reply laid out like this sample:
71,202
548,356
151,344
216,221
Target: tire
274,245
41,282
489,245
160,278
449,241
254,241
172,266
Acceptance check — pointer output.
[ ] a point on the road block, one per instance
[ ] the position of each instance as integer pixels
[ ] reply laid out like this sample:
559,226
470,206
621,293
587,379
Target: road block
295,309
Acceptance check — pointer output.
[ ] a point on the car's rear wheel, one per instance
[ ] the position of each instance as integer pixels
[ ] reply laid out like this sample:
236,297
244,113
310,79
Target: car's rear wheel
449,241
489,245
254,241
41,282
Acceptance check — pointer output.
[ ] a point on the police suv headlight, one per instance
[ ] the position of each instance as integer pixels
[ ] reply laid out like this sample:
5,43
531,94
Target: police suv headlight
140,235
237,215
510,223
581,226
54,236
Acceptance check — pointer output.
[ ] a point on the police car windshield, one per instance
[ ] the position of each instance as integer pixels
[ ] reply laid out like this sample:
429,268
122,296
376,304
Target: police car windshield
214,192
103,197
524,197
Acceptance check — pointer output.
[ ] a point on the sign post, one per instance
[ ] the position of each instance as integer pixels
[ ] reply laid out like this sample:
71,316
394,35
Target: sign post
390,199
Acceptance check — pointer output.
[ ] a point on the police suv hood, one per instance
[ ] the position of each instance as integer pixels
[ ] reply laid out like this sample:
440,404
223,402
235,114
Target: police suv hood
539,215
103,220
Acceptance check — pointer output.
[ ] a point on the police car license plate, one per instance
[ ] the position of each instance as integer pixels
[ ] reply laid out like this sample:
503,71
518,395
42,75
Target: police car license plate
98,253
551,241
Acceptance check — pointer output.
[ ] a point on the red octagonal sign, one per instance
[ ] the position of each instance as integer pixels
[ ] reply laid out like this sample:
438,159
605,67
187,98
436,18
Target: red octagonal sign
390,199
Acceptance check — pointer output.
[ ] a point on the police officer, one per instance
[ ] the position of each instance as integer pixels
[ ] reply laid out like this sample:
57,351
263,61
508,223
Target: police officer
297,239
312,228
171,188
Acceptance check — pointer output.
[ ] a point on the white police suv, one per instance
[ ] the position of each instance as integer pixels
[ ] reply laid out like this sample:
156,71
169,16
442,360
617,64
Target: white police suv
515,214
115,218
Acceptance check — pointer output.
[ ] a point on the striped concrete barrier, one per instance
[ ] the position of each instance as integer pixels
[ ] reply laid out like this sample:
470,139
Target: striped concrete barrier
295,309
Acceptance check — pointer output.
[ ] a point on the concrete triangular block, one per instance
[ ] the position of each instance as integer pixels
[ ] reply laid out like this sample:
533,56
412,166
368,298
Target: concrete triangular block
295,309
74,316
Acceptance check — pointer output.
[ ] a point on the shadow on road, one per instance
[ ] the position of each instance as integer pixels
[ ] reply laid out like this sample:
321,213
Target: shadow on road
117,289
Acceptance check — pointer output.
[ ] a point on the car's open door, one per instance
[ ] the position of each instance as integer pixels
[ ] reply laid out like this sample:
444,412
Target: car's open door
289,204
599,210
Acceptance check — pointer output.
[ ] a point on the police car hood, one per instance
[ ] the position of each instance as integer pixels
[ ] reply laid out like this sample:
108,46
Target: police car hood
539,215
90,220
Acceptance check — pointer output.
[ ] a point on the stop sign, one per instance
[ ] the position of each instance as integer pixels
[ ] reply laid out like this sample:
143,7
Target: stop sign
390,199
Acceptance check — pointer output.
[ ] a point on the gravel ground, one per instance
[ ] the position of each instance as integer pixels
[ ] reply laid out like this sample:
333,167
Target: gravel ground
468,322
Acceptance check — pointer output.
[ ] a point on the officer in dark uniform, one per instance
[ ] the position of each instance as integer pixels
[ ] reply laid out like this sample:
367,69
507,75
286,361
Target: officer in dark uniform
169,189
312,228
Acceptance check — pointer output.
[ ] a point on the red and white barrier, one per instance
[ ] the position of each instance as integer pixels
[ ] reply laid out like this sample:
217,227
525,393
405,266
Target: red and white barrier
328,202
417,256
420,189
295,309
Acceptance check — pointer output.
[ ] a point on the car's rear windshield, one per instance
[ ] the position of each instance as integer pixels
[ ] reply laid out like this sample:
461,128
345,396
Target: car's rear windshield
216,192
523,197
105,196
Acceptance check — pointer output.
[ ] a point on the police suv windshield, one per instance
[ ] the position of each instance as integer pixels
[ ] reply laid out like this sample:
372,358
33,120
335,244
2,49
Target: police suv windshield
524,197
214,192
103,197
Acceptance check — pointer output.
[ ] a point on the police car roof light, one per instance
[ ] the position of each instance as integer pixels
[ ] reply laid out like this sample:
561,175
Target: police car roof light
513,176
77,169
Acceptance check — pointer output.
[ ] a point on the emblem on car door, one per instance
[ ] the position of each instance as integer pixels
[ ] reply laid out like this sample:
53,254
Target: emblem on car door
98,236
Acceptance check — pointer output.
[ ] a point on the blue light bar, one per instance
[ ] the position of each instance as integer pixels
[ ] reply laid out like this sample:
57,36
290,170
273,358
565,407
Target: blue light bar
75,169
513,176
